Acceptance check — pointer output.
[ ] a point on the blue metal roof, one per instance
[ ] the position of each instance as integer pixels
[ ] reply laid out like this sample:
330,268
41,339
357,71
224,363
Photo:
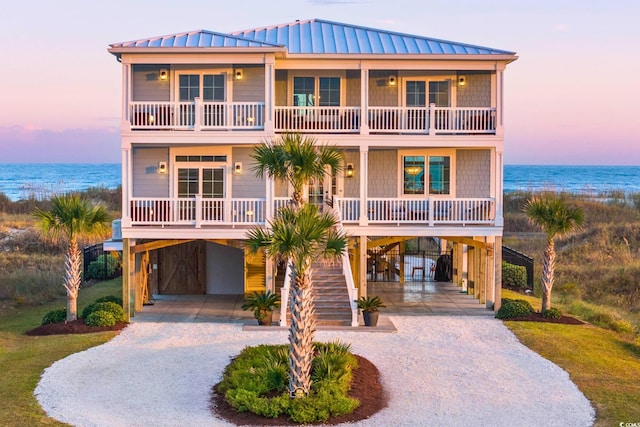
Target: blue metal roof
199,38
317,36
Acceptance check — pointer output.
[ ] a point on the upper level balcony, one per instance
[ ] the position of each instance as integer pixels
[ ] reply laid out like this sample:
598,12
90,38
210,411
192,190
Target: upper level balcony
233,116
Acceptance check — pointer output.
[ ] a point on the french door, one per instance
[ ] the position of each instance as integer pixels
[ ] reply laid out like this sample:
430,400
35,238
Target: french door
207,182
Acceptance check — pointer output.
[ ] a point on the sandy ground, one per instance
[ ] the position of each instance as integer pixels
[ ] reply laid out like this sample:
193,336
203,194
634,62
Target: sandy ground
437,370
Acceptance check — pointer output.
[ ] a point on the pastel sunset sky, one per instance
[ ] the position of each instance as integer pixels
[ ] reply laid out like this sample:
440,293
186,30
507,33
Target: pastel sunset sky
571,98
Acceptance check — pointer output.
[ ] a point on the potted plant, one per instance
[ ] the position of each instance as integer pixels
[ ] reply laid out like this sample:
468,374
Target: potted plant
369,307
262,304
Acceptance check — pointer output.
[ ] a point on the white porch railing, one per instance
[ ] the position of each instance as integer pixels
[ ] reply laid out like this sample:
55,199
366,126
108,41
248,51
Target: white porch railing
432,120
317,119
196,211
431,210
196,115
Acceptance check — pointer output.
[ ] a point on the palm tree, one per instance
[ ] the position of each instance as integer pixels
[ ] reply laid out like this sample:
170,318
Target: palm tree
300,235
556,219
71,216
295,159
297,235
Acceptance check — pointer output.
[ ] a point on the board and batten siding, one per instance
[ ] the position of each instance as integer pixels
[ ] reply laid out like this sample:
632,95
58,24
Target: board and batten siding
147,182
246,184
147,86
352,88
352,185
251,87
281,87
383,173
473,173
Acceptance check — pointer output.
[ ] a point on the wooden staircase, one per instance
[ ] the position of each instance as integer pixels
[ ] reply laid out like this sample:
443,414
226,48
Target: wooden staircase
332,304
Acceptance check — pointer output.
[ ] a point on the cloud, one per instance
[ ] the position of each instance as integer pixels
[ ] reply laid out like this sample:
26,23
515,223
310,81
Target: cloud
29,144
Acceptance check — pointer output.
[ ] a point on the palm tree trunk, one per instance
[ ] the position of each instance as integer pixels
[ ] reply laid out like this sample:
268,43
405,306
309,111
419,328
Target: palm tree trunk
72,279
548,267
301,333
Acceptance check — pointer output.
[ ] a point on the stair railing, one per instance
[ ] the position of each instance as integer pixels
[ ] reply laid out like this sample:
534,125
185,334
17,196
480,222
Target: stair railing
284,296
351,288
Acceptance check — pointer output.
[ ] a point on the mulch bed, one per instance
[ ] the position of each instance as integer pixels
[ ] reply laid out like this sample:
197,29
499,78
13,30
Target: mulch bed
537,317
366,388
74,327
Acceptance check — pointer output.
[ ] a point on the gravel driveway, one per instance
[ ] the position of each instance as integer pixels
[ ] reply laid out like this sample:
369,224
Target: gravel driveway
437,370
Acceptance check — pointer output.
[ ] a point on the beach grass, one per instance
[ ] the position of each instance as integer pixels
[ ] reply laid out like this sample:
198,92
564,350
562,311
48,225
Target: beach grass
23,358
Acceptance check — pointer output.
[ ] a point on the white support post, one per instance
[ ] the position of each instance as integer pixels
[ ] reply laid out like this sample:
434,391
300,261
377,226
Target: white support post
491,274
269,97
500,102
198,211
199,114
125,123
364,101
126,184
269,200
432,119
364,186
499,196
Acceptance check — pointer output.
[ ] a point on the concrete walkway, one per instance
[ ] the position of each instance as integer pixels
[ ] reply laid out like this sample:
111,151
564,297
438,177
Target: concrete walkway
408,299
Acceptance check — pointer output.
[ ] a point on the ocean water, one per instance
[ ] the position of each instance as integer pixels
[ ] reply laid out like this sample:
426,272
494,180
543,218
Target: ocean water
590,180
41,180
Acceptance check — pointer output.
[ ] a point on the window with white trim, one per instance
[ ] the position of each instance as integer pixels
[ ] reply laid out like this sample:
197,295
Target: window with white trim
423,175
316,91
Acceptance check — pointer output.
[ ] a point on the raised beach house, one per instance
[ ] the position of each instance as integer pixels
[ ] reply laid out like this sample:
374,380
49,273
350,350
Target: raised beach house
420,122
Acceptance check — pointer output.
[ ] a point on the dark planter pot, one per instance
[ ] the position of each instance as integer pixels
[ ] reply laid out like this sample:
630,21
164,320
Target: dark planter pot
370,318
267,319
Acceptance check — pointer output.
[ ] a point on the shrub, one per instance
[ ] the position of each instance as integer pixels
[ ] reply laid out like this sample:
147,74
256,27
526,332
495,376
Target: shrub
514,276
514,308
111,307
55,316
552,313
110,298
104,267
100,318
256,381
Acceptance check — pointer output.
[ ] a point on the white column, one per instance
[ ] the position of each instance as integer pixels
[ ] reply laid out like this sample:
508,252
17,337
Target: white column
269,94
498,173
364,101
127,172
500,102
491,274
269,200
125,124
364,185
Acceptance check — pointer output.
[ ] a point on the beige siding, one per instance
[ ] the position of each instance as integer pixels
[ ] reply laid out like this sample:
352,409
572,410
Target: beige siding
246,184
251,87
280,188
281,87
476,92
147,182
146,84
380,93
353,88
473,173
383,173
352,185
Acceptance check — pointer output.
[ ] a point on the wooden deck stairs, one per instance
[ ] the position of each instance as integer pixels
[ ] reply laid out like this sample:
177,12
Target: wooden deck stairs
332,304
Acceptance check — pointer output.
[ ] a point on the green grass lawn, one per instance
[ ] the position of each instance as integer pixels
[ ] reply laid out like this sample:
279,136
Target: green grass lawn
603,364
23,358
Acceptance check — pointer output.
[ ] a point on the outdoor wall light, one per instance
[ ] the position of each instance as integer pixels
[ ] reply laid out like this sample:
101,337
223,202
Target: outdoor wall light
238,73
349,171
162,168
392,80
462,80
163,74
237,168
